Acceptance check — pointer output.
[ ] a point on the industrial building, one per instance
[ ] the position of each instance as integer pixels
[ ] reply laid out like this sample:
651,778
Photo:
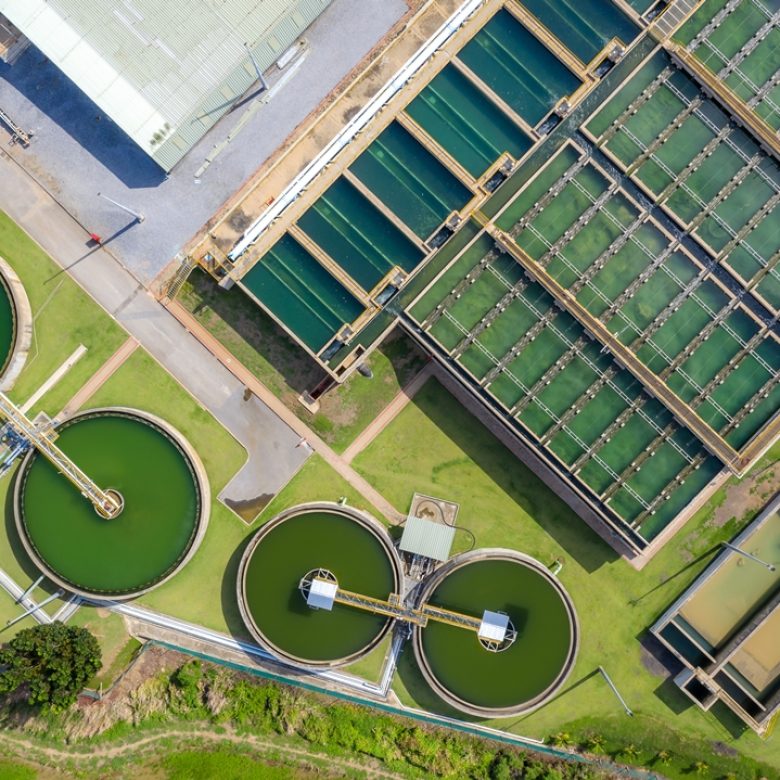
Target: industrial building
164,72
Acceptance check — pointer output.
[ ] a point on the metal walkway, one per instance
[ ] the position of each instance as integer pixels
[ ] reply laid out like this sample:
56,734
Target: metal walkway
107,504
392,607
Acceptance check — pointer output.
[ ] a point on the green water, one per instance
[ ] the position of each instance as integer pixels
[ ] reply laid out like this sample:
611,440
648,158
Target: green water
7,324
362,240
151,535
318,539
515,65
525,669
301,293
584,26
466,122
408,179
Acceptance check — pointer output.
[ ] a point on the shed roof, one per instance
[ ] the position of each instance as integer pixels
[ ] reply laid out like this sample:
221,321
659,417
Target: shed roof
426,538
322,593
494,626
165,72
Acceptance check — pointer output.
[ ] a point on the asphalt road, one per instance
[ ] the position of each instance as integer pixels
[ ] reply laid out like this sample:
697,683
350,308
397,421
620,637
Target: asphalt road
274,454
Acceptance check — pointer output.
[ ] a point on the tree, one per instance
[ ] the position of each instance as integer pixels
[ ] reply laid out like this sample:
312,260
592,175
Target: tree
51,662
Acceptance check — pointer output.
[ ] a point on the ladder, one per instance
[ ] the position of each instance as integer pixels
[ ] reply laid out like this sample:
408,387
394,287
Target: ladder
107,503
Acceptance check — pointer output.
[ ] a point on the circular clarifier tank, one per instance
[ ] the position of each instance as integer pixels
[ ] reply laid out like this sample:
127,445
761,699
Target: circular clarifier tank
15,326
524,672
159,481
353,547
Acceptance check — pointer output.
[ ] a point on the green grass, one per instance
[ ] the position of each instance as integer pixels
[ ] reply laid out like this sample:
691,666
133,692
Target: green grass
117,646
64,317
316,481
269,353
8,611
435,447
224,763
14,771
370,667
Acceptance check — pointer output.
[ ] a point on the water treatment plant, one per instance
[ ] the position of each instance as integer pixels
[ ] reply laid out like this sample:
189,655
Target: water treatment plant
460,411
494,632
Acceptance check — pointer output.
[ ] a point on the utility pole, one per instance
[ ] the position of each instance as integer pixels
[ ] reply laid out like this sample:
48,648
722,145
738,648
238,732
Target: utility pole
137,214
734,548
260,77
615,691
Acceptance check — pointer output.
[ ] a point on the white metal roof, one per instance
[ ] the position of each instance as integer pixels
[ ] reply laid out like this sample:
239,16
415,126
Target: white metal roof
163,70
322,593
494,626
426,538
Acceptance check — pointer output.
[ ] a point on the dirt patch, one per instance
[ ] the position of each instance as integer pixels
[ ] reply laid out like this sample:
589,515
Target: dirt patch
239,220
250,508
748,495
724,750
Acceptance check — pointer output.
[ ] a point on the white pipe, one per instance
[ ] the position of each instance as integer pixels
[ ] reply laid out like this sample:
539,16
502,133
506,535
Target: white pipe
352,128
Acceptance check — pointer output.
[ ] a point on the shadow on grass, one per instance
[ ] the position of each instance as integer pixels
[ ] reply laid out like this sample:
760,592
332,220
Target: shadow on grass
695,562
256,330
228,596
424,697
513,477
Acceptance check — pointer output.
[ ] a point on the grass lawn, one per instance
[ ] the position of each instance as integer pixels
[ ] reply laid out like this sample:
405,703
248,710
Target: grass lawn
269,353
64,317
8,611
435,447
316,481
117,646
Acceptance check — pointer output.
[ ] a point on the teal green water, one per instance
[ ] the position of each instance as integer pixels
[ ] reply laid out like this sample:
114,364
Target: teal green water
357,236
584,26
7,324
466,123
525,669
301,293
320,539
151,535
410,180
515,65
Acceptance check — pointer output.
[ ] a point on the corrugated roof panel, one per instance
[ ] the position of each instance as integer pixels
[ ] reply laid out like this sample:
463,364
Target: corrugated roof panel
426,538
176,55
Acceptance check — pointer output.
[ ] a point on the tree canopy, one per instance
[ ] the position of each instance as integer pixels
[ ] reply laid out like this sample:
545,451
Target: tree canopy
52,662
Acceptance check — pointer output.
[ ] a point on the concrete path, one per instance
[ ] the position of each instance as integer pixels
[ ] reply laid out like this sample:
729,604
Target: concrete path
388,414
98,379
308,439
272,445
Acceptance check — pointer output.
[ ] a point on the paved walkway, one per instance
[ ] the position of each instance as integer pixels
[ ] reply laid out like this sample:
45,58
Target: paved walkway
99,378
388,414
308,439
274,456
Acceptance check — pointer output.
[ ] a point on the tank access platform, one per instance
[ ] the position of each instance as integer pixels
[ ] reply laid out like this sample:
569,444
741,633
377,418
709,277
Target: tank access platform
321,590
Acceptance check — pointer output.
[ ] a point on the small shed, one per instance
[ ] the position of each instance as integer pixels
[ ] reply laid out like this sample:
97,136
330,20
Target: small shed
427,538
494,627
322,593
